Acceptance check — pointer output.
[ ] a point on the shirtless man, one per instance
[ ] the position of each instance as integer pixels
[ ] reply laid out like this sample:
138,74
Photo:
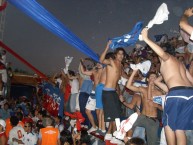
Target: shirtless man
91,103
148,117
110,98
178,108
99,104
184,22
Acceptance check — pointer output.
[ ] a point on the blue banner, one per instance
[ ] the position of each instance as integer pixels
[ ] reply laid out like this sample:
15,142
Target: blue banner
47,20
127,39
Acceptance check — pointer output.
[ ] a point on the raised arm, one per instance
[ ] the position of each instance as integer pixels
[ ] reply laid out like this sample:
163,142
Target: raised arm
158,82
130,105
130,83
184,21
102,57
158,50
83,71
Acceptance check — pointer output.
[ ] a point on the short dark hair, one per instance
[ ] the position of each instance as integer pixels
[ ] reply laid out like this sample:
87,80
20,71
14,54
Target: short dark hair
72,73
120,49
135,141
14,120
85,138
19,116
109,55
59,117
66,137
150,73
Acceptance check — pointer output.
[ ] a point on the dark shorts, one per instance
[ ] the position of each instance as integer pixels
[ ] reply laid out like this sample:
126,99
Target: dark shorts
178,110
111,105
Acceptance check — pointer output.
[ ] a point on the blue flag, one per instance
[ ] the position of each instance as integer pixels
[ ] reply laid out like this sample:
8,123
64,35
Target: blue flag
127,39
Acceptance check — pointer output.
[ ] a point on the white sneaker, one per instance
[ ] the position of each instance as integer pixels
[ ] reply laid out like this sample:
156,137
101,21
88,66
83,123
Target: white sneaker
108,136
92,129
86,126
116,141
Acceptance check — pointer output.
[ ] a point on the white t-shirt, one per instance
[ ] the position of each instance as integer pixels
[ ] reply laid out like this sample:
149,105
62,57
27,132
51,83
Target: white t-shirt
74,86
16,132
30,138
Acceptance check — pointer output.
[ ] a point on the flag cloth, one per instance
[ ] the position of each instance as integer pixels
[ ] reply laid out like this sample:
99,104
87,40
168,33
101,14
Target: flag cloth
53,100
47,20
127,39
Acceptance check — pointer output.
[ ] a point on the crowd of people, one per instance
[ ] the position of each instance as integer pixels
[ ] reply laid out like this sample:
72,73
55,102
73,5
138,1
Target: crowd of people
107,92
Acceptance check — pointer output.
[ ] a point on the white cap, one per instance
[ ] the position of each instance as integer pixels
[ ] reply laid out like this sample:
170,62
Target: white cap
2,123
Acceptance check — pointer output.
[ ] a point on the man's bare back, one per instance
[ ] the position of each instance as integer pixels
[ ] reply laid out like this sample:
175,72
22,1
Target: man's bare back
175,74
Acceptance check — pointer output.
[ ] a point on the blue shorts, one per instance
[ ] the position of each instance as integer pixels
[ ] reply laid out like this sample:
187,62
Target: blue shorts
98,95
178,110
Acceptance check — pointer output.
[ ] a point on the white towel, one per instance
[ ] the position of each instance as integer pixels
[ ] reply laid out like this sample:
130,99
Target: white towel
125,126
68,60
143,67
160,16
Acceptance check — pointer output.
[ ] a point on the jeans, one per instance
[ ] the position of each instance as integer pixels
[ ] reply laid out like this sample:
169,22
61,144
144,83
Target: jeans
83,98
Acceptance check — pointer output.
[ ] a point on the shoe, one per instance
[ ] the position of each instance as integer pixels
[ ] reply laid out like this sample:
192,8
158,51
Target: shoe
98,132
92,129
116,141
102,133
86,126
108,136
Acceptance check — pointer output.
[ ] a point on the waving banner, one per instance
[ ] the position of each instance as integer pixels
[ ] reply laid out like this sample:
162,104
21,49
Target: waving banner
127,39
53,100
47,20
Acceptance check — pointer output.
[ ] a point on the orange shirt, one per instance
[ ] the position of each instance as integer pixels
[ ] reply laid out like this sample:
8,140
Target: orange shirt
8,127
50,135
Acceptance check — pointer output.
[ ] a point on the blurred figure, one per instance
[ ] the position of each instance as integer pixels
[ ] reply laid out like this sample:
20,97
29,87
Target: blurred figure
66,138
58,123
48,135
2,132
29,138
16,133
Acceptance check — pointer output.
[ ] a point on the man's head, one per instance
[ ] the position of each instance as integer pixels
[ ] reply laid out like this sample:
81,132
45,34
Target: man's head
71,73
120,54
58,119
135,141
151,77
48,121
6,106
28,127
19,115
